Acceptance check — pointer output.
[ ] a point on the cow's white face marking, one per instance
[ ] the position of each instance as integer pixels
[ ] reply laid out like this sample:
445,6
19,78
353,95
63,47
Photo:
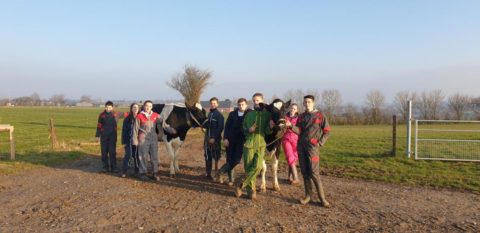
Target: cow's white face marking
278,105
199,106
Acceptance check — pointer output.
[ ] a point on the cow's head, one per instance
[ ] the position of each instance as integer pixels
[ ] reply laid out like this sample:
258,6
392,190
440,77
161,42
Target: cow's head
198,114
278,110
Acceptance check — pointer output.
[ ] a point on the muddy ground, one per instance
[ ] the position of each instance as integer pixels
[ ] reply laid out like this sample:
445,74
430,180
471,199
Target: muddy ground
77,198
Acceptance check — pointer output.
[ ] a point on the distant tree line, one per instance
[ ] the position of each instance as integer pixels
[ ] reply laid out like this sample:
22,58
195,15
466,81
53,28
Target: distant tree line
35,100
429,105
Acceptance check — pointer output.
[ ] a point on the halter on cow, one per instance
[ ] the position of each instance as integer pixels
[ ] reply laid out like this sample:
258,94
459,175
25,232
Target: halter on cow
278,109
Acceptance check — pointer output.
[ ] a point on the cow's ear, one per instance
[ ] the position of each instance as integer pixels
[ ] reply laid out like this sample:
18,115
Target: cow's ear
287,104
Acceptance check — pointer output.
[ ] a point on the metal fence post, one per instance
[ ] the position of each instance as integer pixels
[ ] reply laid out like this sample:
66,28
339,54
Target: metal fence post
394,135
409,129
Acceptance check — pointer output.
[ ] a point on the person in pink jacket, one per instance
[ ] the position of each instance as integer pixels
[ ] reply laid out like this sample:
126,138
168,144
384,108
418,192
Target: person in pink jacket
289,143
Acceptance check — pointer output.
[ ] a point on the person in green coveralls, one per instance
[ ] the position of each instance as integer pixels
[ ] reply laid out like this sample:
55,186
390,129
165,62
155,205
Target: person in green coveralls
256,125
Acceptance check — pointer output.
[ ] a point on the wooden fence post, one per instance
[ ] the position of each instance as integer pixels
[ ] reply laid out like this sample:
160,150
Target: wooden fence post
53,135
12,145
394,135
10,129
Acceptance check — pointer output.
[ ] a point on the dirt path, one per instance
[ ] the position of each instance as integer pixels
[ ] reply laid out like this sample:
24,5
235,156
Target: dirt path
76,198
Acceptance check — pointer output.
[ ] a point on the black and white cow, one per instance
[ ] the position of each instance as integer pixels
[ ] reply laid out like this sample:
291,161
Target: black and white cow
181,118
278,109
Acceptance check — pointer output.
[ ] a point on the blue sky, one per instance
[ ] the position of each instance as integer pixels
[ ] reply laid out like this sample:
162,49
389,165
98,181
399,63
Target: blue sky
129,49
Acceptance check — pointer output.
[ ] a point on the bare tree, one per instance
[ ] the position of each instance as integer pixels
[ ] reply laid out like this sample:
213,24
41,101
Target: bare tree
352,114
191,83
296,96
23,101
4,102
36,101
331,101
58,100
458,103
430,104
401,102
85,99
375,100
476,107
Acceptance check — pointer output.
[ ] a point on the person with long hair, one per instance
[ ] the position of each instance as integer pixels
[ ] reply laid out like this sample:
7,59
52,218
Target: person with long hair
289,144
127,139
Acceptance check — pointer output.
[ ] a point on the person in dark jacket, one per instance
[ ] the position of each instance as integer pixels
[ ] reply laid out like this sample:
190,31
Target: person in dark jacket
107,135
213,136
233,140
127,139
313,130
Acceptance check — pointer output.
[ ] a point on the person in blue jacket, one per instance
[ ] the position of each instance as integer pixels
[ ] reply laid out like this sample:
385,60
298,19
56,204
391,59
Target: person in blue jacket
213,136
233,140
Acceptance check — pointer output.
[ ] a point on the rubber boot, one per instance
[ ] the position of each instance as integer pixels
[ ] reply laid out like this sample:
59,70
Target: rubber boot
295,180
156,177
231,177
290,174
216,167
308,192
238,190
252,194
321,194
219,174
208,169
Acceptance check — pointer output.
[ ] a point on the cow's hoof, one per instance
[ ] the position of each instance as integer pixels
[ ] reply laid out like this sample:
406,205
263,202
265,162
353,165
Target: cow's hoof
325,204
276,188
263,189
172,175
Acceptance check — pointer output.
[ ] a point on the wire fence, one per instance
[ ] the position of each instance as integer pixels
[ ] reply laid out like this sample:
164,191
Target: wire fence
447,140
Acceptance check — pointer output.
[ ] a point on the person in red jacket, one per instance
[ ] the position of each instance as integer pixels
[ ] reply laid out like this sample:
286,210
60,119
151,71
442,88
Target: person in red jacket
313,130
145,137
107,135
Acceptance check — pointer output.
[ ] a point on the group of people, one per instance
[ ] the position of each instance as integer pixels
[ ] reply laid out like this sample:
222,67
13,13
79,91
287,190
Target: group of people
243,137
139,137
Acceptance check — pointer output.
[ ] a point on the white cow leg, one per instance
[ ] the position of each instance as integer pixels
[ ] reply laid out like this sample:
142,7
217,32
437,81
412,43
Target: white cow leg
263,186
276,187
171,153
178,144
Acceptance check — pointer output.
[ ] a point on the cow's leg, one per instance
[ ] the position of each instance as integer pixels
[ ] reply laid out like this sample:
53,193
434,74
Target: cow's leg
263,186
178,144
276,187
171,153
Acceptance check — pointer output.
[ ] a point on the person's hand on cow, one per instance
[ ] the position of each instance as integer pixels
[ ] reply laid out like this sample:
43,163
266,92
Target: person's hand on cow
288,124
211,140
226,142
97,139
253,128
272,124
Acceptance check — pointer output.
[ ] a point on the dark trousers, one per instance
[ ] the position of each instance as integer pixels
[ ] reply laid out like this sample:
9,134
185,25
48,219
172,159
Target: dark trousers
211,152
234,153
130,151
234,157
108,146
148,148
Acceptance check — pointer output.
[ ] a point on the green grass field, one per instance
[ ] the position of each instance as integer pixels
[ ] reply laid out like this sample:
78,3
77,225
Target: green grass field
359,152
